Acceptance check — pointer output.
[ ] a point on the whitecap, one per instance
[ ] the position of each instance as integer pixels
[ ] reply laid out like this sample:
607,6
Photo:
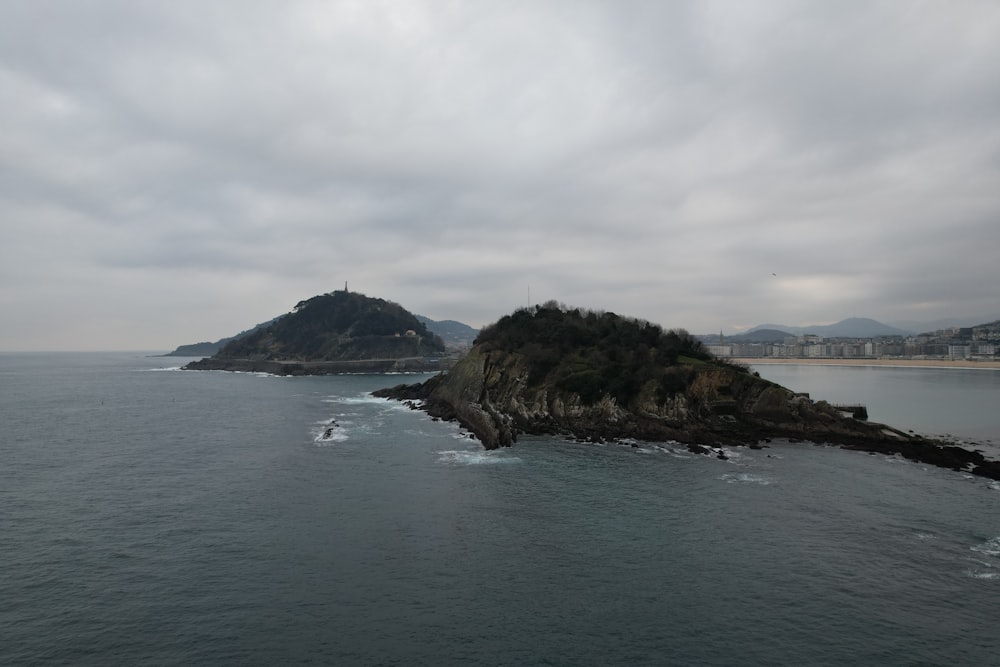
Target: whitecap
360,399
326,440
982,575
745,478
925,536
989,547
483,457
330,432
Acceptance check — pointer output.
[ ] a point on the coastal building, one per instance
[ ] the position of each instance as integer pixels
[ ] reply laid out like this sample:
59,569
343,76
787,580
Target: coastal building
959,351
977,343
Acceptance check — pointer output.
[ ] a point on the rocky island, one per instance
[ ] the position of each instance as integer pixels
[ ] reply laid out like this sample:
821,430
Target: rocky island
597,376
337,332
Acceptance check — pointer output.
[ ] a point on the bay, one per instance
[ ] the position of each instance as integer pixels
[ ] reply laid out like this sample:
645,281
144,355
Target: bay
947,402
157,516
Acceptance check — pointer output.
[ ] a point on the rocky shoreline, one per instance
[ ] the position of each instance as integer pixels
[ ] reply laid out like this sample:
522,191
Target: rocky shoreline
487,395
292,367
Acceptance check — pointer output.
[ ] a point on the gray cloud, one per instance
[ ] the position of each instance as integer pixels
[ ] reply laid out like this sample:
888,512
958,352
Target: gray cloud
179,171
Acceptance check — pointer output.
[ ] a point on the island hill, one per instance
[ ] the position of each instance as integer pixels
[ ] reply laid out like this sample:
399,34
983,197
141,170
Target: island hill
600,377
338,332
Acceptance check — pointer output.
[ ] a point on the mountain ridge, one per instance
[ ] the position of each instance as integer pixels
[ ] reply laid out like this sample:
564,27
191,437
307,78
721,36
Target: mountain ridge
851,327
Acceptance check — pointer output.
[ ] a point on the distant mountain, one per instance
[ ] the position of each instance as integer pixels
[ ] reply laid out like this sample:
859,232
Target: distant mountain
761,336
454,334
944,323
852,327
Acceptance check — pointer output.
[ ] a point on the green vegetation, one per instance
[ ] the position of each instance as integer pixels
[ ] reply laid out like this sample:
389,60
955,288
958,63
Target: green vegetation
595,353
339,326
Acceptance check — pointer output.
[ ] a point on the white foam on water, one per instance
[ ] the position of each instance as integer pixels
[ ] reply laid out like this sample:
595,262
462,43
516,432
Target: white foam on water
330,433
990,547
995,485
746,478
362,399
324,440
925,536
494,457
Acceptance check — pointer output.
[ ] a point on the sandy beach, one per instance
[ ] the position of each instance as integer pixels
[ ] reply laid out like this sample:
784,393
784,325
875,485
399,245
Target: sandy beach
918,363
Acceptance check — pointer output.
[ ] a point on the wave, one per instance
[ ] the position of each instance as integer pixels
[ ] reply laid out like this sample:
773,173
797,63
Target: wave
746,478
990,547
494,457
330,433
368,400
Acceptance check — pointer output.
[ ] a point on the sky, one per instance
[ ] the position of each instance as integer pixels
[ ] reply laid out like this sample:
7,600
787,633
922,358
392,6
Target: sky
174,172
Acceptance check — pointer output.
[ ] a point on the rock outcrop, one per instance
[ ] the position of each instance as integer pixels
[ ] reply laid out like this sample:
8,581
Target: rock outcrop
498,393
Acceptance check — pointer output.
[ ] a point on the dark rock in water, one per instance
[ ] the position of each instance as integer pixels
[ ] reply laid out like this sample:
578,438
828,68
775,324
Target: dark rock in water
604,378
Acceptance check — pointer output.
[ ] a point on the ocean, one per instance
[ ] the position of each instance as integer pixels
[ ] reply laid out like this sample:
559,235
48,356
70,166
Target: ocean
153,516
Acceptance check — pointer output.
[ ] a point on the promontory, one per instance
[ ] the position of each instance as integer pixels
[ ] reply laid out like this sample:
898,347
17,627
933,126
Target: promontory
598,376
337,332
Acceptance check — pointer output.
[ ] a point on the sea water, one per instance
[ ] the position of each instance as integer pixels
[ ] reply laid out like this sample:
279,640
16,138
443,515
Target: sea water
956,403
150,515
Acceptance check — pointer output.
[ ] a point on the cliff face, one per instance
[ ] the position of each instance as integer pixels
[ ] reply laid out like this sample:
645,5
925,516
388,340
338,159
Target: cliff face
490,393
498,393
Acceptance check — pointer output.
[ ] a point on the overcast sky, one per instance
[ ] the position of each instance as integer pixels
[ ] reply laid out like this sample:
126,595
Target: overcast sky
172,172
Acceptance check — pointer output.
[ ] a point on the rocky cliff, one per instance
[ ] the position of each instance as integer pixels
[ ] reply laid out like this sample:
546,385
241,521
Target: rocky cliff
540,372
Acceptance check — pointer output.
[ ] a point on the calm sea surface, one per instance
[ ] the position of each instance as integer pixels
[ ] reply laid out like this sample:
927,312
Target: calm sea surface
158,516
960,402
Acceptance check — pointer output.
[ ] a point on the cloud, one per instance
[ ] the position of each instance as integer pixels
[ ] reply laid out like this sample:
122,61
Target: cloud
181,171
